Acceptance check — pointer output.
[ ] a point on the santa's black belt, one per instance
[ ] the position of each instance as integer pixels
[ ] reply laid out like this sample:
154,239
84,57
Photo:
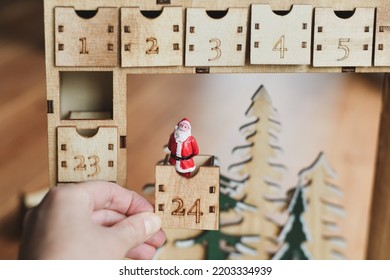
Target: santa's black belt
181,158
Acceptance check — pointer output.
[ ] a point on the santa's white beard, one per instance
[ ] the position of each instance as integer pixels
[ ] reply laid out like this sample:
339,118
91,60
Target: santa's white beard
181,136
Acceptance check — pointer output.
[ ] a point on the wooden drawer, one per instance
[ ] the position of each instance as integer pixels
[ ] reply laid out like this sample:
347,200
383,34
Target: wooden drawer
280,39
87,158
86,38
189,203
382,37
343,41
152,41
216,42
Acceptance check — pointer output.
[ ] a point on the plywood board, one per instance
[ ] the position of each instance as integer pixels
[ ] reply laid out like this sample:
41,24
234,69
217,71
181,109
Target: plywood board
216,42
343,41
86,41
152,41
382,37
90,158
280,39
188,203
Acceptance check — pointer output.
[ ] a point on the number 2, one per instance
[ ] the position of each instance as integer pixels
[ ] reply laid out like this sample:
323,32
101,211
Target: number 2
178,211
154,49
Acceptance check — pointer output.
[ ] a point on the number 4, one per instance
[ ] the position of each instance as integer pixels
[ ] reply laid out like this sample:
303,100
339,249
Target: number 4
280,46
195,210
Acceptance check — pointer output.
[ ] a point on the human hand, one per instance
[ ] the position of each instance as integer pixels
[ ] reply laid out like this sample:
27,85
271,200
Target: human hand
92,220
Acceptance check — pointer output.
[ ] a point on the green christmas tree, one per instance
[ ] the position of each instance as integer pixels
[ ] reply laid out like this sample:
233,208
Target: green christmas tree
293,234
218,246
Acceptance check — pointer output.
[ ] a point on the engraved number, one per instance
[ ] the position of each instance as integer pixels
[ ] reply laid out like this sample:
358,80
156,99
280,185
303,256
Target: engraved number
81,165
83,46
279,46
343,47
216,48
179,211
154,48
94,163
193,211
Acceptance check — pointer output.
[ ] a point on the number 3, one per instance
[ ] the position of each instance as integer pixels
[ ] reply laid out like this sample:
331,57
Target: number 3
216,48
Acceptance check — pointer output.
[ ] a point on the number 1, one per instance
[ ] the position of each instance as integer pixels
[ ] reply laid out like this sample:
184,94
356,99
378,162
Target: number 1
83,45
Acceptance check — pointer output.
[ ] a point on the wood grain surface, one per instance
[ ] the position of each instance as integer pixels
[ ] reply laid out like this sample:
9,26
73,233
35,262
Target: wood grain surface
337,114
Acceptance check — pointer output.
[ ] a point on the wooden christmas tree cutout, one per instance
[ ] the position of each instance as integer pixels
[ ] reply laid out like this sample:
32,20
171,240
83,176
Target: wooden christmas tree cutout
294,233
253,221
312,230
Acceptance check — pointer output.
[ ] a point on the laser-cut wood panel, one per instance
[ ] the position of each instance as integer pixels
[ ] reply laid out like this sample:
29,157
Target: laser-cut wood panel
216,42
188,203
86,42
280,39
152,41
382,37
343,42
87,158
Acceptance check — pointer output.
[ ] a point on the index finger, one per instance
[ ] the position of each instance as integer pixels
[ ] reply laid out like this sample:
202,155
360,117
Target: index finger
107,195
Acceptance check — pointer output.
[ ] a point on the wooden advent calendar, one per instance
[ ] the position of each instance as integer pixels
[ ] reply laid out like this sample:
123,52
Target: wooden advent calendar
92,45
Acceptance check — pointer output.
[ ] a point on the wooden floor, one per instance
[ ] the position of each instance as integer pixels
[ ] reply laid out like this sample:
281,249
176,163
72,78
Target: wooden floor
337,114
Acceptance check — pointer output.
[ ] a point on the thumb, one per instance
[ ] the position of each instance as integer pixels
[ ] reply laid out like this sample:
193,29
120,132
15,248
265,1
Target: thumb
138,228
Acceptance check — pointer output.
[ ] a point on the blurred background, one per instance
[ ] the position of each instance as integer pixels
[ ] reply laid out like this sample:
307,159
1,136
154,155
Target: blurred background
334,113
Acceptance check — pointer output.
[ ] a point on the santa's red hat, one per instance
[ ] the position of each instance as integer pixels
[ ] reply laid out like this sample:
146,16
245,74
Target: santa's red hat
185,120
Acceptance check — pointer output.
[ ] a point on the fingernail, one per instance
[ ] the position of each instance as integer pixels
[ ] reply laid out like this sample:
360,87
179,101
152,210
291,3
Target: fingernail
152,224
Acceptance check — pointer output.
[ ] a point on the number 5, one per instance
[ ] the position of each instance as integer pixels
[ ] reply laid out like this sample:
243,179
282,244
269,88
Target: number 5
343,47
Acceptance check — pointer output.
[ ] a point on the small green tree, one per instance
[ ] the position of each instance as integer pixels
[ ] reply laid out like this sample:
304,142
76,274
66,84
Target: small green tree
218,246
294,234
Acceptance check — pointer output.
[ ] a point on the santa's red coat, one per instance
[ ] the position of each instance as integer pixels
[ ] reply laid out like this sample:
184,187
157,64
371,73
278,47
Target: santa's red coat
188,147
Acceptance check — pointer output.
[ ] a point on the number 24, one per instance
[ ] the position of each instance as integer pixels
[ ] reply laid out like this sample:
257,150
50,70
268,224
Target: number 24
194,210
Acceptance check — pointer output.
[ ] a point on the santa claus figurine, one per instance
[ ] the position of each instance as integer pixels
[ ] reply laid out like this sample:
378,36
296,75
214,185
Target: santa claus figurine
183,148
